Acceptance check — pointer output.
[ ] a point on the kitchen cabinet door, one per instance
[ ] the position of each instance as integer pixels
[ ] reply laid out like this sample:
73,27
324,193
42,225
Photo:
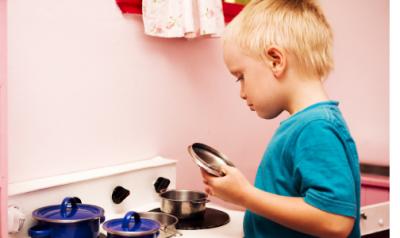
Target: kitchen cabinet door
375,191
374,218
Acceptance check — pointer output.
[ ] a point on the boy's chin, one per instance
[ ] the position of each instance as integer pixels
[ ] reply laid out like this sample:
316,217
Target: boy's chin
268,115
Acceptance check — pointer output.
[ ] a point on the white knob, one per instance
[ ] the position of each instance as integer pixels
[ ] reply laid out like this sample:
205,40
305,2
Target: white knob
16,219
380,222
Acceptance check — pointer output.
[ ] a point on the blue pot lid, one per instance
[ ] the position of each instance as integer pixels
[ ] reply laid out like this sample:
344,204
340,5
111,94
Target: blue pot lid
128,227
69,211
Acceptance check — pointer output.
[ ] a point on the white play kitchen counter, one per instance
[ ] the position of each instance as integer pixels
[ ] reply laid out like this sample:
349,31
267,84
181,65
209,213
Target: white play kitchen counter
96,187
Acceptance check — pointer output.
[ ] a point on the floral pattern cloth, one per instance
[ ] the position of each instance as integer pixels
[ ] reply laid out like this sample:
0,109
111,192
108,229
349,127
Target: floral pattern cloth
183,18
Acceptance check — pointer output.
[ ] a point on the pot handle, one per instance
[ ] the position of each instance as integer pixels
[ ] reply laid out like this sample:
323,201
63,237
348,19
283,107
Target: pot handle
65,204
200,201
39,231
127,219
102,219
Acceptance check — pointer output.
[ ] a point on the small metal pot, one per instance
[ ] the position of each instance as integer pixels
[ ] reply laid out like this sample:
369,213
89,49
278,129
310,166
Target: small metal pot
184,204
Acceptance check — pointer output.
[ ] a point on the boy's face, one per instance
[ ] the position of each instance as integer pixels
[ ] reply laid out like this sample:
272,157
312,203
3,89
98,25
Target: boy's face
262,92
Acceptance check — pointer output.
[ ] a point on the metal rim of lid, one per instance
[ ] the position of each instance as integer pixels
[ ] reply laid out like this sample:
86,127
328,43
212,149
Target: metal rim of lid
200,162
130,233
197,160
35,214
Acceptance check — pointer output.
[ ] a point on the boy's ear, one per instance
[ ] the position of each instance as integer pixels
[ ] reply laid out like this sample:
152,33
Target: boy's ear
277,60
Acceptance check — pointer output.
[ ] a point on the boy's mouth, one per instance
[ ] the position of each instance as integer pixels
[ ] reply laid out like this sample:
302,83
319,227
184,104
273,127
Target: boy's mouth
251,106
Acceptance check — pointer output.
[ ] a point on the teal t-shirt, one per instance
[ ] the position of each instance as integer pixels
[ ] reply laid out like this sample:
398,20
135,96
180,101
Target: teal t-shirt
311,155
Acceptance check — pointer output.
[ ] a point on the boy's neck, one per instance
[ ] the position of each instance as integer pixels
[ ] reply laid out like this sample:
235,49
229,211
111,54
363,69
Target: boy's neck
305,93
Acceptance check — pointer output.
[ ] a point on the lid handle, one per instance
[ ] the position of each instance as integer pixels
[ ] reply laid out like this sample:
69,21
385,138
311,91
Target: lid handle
127,220
68,204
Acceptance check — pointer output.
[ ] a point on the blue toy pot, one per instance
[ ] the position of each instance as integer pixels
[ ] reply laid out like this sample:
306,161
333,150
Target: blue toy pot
71,219
132,225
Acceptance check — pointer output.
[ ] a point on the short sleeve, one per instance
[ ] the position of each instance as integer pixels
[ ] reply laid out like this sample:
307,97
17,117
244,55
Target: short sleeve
322,169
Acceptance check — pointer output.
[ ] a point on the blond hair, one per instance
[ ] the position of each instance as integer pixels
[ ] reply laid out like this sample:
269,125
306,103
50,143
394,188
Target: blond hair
298,26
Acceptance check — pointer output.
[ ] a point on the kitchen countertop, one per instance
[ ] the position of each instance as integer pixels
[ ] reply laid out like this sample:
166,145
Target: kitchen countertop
234,229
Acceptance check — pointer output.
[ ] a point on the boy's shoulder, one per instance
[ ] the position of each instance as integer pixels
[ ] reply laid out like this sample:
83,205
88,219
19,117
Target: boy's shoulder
324,112
316,127
317,118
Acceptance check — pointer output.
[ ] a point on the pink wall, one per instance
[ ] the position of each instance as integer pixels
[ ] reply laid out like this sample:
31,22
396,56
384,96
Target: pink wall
90,90
361,77
87,92
3,149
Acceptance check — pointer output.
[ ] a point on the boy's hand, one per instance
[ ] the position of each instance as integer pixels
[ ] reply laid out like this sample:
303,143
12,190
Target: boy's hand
233,187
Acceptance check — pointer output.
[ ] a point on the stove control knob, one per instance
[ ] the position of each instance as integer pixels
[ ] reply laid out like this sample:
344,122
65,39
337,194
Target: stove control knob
119,194
161,184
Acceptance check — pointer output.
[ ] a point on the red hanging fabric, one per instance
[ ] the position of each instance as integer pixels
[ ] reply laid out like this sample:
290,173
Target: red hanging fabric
135,6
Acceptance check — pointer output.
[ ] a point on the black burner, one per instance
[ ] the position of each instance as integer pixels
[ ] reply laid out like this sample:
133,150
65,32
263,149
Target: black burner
212,218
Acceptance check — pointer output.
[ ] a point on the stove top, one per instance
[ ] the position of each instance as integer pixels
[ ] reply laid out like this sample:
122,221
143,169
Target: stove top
212,218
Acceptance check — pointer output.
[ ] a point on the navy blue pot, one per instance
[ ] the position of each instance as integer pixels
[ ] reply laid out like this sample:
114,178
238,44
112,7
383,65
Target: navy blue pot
71,219
127,227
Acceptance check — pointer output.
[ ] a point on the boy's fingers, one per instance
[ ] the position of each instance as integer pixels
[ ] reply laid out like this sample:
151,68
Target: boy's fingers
206,177
204,173
209,179
209,191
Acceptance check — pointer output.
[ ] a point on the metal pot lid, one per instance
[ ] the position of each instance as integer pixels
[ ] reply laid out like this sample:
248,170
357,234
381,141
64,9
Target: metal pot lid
208,158
69,211
129,227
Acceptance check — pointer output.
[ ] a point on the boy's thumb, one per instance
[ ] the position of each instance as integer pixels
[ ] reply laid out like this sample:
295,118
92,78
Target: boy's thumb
225,168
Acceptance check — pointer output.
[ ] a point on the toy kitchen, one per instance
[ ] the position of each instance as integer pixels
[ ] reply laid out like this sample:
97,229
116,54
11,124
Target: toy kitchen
114,191
132,187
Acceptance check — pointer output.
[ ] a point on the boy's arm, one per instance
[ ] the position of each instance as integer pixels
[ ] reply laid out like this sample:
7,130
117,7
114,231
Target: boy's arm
291,212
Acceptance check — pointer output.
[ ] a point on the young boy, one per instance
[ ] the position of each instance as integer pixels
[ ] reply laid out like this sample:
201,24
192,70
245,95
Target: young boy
308,182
